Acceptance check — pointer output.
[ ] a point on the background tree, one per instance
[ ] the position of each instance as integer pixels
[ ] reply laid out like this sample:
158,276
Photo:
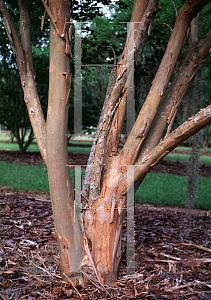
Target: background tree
105,185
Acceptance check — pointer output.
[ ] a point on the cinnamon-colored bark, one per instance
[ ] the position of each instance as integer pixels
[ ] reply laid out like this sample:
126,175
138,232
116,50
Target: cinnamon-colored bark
61,187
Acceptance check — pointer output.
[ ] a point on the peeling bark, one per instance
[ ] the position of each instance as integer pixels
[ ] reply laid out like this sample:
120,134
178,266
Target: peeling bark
175,138
95,163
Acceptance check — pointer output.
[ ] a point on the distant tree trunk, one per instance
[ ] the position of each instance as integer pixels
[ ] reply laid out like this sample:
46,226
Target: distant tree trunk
195,140
11,135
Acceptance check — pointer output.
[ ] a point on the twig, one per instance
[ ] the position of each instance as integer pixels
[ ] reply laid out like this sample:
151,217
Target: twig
170,256
188,285
4,297
43,200
92,280
174,7
36,277
43,269
164,261
145,280
199,247
203,283
201,260
73,285
180,287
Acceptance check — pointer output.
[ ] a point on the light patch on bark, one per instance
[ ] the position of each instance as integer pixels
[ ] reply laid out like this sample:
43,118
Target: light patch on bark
49,110
52,67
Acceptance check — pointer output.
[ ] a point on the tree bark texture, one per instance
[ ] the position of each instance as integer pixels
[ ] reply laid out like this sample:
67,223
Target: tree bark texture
108,187
61,186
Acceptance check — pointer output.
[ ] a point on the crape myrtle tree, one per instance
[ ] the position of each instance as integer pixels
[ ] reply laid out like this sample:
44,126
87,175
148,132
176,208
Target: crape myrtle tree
105,185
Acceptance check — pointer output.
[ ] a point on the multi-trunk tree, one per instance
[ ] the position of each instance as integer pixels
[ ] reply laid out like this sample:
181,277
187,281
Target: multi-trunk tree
105,185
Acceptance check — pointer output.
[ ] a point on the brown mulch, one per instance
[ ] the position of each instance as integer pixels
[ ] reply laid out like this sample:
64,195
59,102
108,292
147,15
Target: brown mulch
173,254
173,251
35,158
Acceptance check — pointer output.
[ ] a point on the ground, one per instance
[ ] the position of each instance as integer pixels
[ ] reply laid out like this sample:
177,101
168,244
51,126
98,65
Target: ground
173,250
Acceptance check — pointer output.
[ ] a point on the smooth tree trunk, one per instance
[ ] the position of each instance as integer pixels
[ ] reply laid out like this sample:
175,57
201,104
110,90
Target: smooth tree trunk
61,186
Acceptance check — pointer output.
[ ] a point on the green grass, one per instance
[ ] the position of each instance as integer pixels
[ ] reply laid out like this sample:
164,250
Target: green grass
160,189
21,177
88,144
185,157
157,188
26,178
79,149
15,147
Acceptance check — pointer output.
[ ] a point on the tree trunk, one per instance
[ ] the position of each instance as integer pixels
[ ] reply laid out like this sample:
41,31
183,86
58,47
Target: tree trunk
61,186
103,224
105,182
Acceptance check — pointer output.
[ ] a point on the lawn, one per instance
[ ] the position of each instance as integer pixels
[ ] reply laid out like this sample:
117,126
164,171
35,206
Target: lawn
157,188
34,147
161,189
185,157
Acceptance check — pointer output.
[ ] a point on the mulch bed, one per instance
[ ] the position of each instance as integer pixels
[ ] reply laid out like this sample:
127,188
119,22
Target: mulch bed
173,254
173,249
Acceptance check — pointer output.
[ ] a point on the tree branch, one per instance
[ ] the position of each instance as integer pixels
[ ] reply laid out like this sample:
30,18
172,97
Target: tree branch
97,156
174,7
175,138
31,97
137,136
14,39
25,31
172,98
